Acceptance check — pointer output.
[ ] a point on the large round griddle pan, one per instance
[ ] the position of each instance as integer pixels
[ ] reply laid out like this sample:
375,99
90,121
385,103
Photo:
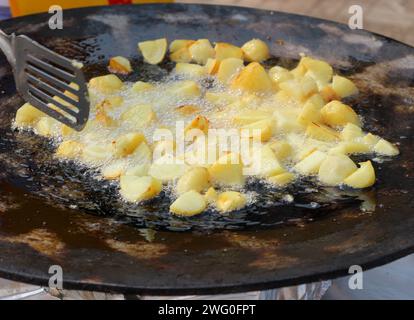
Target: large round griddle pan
52,213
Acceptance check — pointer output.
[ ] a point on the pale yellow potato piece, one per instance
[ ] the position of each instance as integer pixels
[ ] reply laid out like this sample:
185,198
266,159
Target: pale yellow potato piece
138,170
371,140
120,65
350,147
310,113
211,195
319,70
181,55
114,170
153,51
282,179
190,69
228,69
179,44
110,103
48,127
186,89
253,79
212,66
127,143
328,93
317,100
189,204
221,98
251,116
142,154
226,50
141,86
199,125
386,148
363,177
286,120
321,132
335,169
27,115
140,115
187,109
69,149
196,179
282,149
343,86
261,130
227,170
135,189
95,154
335,113
230,201
167,168
104,119
201,51
351,132
106,84
311,164
278,75
265,163
256,50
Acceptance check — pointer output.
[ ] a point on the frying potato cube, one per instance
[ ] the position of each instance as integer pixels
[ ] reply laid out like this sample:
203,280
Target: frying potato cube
221,98
250,116
227,170
228,69
310,113
328,93
351,132
253,79
200,122
278,75
135,189
141,86
343,86
211,195
181,55
335,113
104,119
286,119
261,130
95,154
114,170
282,179
167,168
153,51
186,89
230,201
299,89
321,132
189,204
138,170
142,154
386,148
110,103
127,143
311,163
190,69
107,84
48,127
265,163
335,169
226,50
350,147
282,149
319,70
140,115
212,66
187,109
27,115
201,50
371,140
179,44
317,100
120,65
255,51
196,179
69,149
363,177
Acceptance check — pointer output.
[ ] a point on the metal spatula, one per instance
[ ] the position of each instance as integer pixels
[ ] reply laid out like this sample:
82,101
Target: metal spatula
47,80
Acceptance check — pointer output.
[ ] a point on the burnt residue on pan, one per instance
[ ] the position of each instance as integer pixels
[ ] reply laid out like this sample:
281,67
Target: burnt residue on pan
52,212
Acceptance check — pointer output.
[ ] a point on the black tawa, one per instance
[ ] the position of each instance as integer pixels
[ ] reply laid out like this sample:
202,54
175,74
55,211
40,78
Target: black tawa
52,213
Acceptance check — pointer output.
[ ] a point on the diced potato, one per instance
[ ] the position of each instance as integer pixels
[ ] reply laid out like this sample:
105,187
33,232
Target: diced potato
343,86
142,154
328,93
190,69
48,127
317,100
335,113
230,201
164,147
282,179
335,169
186,89
278,75
179,44
196,179
282,149
286,119
250,116
120,65
363,177
110,103
95,154
139,115
321,132
141,86
201,50
127,143
261,130
104,119
299,89
211,195
265,163
253,78
227,170
135,189
200,122
319,70
350,147
181,55
187,109
107,84
386,148
27,115
221,98
310,113
255,51
189,204
167,168
114,170
228,69
371,140
153,51
212,66
351,132
69,149
311,163
138,170
227,50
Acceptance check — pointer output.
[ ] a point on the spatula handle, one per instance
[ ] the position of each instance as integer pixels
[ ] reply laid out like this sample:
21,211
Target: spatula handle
6,45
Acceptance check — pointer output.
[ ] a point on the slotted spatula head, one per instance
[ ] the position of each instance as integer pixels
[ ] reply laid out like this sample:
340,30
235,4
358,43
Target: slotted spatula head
51,82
